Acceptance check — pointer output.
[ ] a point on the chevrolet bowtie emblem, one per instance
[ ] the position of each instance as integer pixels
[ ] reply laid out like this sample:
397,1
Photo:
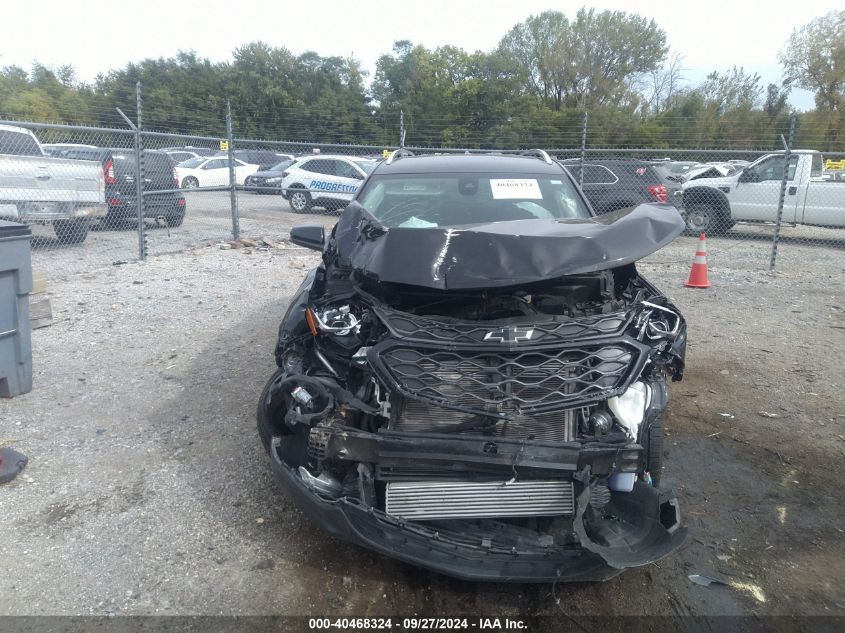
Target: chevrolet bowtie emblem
510,335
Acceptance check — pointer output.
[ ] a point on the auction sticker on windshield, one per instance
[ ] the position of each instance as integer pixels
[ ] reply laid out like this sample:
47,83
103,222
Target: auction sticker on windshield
515,188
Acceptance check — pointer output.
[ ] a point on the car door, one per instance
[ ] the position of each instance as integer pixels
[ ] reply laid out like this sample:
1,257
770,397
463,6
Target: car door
822,202
757,189
214,173
349,178
324,182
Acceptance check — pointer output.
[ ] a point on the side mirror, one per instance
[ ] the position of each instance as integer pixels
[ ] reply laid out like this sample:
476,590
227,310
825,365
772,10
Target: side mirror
748,175
311,236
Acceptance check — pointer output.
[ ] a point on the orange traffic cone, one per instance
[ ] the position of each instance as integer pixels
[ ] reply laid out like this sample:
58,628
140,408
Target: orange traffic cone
698,273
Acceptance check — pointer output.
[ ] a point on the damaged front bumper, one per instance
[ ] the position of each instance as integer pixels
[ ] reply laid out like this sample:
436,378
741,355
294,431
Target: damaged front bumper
609,531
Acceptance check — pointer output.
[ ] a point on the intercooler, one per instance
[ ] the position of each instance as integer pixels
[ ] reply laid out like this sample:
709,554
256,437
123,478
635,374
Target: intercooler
430,500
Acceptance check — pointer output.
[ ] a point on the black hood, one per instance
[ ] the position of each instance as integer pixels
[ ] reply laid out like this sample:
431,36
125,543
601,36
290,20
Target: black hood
500,253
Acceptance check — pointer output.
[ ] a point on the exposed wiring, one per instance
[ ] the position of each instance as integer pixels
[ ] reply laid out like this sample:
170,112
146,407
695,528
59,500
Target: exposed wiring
562,610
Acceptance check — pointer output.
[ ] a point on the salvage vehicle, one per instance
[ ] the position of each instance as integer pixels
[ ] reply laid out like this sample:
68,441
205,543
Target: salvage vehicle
715,205
36,188
474,378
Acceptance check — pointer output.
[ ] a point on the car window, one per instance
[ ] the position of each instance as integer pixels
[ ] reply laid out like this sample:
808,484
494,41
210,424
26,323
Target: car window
281,166
367,165
19,144
817,167
593,174
345,170
430,200
320,166
217,163
772,168
192,163
180,156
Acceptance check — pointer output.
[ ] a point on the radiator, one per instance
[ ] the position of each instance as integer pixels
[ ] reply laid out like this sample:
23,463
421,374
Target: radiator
429,500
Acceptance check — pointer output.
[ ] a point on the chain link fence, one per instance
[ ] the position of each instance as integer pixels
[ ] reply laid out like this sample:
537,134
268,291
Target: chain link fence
91,202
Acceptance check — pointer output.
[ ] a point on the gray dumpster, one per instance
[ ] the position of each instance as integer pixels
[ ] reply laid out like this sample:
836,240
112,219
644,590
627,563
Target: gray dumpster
15,284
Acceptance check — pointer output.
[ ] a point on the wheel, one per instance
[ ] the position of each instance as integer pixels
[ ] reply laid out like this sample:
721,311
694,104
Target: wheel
652,441
703,218
300,201
190,183
71,231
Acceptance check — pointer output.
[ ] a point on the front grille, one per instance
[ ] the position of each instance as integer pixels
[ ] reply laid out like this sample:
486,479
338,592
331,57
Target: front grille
430,500
423,329
508,381
418,416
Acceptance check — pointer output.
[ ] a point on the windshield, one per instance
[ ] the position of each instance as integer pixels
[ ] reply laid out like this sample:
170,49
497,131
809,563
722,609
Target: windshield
443,200
192,163
281,166
367,165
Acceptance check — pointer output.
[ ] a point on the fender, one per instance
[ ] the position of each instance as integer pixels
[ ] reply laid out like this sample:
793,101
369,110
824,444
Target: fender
709,195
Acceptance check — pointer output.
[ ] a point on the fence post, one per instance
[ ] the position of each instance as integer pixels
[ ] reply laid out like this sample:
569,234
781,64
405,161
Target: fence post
787,146
401,128
233,195
140,173
583,149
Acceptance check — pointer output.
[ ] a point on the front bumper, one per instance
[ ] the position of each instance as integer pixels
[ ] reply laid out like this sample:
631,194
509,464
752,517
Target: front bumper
645,528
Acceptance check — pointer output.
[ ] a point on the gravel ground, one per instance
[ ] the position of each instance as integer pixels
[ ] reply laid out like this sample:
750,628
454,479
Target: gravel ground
148,491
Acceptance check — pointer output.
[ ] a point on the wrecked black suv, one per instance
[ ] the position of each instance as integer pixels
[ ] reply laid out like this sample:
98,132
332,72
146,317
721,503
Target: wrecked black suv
474,378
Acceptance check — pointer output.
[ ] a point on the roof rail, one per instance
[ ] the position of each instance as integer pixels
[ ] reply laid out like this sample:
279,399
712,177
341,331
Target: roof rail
396,155
537,153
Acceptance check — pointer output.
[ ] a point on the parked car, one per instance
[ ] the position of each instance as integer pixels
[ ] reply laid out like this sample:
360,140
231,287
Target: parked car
159,175
211,172
265,159
323,180
269,180
40,189
714,205
474,378
616,183
118,166
181,154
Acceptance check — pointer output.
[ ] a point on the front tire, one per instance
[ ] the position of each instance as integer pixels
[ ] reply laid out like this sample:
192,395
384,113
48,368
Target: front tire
703,218
300,201
190,183
71,231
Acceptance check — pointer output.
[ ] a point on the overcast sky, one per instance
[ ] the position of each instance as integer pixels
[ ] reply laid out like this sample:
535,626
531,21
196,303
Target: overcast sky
96,36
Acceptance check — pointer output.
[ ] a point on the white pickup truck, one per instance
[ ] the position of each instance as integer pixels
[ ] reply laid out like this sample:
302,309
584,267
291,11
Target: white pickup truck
39,189
714,205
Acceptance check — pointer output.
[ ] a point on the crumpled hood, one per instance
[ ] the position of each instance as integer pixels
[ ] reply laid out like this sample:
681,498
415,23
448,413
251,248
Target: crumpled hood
500,253
709,182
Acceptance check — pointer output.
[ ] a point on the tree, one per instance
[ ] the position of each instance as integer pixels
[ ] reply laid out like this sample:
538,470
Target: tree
594,60
814,59
664,84
732,90
776,100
